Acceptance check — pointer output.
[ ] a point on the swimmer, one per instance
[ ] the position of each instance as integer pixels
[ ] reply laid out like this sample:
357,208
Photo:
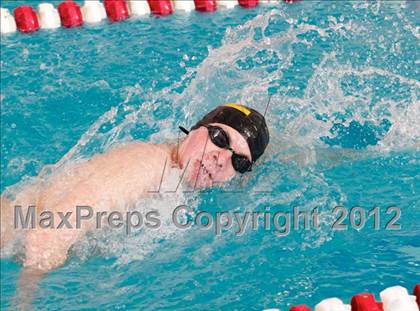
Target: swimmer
227,141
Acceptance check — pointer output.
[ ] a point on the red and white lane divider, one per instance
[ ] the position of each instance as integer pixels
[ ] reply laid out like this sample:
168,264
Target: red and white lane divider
69,14
394,298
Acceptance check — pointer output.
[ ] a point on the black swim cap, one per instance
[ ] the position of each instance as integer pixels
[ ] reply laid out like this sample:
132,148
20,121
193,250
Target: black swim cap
247,121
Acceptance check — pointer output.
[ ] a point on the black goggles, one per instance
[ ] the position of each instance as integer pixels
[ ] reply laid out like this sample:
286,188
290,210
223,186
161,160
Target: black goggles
220,138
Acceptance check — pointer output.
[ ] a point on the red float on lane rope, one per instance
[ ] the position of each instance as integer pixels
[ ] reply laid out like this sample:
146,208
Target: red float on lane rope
300,308
205,5
70,14
160,7
117,10
248,4
416,292
26,19
365,302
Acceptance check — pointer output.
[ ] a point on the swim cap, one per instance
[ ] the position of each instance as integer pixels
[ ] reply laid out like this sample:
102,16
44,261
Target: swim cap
247,121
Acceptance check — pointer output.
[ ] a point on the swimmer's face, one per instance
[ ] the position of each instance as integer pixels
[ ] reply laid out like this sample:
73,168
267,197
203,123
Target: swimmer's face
207,164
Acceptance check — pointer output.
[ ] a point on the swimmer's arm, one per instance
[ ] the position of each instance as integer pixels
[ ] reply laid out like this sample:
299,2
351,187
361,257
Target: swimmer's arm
46,250
27,286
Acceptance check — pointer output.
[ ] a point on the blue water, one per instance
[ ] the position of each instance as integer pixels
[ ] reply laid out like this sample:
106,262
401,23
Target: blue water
344,120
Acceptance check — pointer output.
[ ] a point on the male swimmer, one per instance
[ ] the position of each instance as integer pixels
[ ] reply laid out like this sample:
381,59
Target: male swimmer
227,141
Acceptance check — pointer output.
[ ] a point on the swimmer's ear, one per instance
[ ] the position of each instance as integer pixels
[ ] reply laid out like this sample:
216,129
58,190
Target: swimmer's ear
184,130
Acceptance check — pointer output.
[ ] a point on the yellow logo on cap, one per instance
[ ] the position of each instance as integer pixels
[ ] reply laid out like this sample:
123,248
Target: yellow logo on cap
242,109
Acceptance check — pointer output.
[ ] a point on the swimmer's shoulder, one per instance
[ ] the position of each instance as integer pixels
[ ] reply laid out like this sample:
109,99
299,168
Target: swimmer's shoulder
134,150
137,147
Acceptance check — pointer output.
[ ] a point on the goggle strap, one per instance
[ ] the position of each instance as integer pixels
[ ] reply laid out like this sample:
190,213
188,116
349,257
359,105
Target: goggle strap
183,129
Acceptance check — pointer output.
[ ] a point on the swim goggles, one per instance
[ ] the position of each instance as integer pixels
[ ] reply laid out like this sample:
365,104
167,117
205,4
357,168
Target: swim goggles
220,138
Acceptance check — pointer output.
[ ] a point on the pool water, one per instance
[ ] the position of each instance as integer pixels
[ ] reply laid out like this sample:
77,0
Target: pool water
344,119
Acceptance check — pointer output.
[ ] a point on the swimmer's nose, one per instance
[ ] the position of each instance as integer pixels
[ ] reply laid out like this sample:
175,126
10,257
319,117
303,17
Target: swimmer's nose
221,158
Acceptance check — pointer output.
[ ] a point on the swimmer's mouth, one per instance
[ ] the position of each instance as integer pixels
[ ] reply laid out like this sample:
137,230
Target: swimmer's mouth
204,169
201,177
